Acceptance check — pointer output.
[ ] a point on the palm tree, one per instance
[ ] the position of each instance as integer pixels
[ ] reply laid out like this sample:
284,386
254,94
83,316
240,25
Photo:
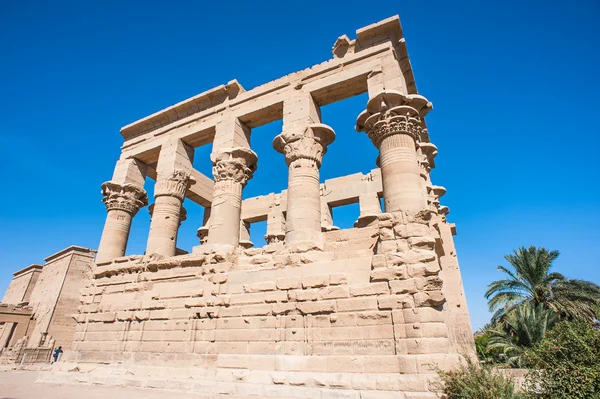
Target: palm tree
522,327
530,280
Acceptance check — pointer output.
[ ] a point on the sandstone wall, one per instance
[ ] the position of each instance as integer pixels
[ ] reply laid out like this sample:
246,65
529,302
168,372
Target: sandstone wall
22,285
55,296
62,326
317,312
369,316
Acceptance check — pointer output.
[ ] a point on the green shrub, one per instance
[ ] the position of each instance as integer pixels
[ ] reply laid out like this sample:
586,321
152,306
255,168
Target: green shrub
472,381
487,354
567,363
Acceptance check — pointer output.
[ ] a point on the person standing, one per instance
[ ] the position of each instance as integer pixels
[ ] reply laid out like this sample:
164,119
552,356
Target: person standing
56,354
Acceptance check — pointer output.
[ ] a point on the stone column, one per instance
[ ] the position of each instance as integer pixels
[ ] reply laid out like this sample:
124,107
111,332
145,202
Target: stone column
426,152
327,217
122,201
245,235
370,208
203,230
276,221
437,193
393,122
232,168
303,152
169,193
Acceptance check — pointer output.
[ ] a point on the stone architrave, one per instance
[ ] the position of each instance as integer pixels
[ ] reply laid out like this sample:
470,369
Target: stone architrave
122,202
167,212
393,122
232,168
304,152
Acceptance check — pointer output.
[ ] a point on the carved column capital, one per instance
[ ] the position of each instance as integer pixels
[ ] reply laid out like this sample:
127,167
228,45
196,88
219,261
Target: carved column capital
398,120
391,112
175,184
438,192
311,144
428,151
202,234
274,238
126,197
234,164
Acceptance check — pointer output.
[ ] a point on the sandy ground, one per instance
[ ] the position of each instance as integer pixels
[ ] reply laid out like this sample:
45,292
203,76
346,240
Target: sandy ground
16,384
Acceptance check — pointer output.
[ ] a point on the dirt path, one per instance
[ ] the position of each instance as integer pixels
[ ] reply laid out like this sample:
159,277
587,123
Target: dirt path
21,385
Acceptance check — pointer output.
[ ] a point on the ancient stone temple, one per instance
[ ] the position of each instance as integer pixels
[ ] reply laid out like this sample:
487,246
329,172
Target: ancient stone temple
37,310
317,312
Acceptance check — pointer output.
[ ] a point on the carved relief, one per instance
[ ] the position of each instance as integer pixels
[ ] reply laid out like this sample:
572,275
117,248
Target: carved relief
391,112
398,120
428,151
274,238
176,184
202,234
182,215
310,144
126,197
235,164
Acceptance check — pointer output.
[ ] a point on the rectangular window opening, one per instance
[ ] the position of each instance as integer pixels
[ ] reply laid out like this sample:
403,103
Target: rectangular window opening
257,231
344,216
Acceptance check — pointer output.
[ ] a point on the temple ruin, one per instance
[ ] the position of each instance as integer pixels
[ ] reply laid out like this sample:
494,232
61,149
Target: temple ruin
318,311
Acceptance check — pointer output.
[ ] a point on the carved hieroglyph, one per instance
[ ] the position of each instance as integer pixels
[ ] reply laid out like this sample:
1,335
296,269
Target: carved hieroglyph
319,311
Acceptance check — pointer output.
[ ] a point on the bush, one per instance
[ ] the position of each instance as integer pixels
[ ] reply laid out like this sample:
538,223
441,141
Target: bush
472,381
567,363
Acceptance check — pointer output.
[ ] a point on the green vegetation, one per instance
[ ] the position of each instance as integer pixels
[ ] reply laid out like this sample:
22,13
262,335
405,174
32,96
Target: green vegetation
521,328
542,321
531,281
472,381
530,301
566,364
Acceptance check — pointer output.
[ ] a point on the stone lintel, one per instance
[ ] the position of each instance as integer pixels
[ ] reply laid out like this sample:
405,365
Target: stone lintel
341,77
208,99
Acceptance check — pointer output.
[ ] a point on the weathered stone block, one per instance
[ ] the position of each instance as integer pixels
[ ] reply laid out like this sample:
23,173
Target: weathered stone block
338,278
288,283
316,307
262,286
370,289
356,304
318,280
333,292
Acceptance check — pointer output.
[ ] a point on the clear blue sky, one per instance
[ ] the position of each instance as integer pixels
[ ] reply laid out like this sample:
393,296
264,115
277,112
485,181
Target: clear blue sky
514,85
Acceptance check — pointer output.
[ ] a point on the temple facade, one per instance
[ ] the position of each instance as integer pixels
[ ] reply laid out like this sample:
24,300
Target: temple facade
36,313
318,311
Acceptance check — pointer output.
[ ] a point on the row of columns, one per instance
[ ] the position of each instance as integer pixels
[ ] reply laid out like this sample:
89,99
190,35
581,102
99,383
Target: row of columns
393,122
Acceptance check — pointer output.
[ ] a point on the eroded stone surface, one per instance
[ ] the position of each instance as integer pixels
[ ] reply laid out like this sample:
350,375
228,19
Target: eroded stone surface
318,311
